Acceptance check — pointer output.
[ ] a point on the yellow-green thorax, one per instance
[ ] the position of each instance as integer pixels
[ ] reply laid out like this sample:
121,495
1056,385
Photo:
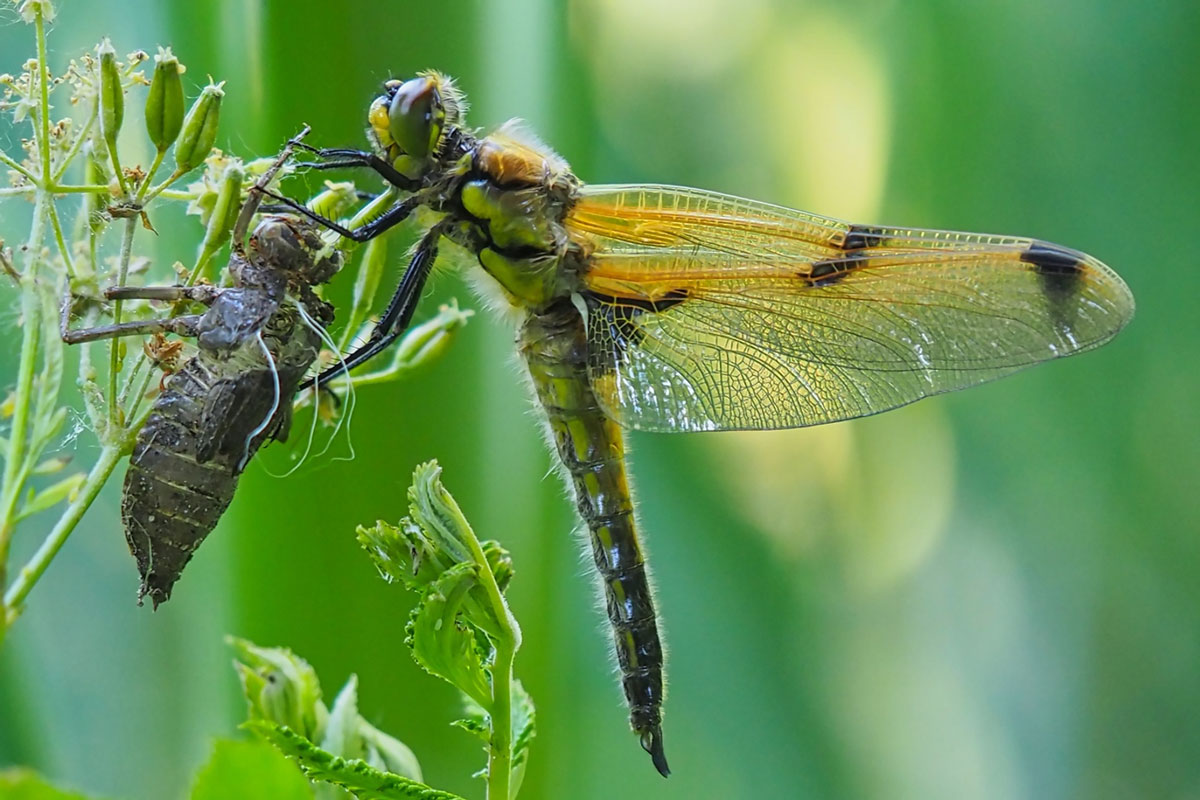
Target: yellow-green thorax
519,192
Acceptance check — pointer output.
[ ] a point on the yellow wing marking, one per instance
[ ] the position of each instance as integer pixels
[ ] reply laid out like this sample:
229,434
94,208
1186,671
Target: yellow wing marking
713,312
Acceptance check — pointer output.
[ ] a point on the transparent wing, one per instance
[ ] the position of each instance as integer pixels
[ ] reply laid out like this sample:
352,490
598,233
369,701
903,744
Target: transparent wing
711,312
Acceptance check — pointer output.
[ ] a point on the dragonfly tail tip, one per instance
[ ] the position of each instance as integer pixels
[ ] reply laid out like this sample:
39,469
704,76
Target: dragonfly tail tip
652,743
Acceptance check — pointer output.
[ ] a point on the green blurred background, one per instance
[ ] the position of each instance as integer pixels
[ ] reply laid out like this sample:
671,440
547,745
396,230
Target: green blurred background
994,594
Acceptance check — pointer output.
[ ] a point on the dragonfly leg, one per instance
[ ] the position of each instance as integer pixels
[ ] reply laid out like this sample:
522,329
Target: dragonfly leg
187,325
381,224
342,157
198,294
399,312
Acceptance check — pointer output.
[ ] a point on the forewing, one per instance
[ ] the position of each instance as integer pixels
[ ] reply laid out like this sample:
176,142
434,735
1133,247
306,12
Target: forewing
711,312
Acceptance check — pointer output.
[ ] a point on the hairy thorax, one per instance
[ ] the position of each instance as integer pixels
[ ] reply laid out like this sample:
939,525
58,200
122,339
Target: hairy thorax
516,195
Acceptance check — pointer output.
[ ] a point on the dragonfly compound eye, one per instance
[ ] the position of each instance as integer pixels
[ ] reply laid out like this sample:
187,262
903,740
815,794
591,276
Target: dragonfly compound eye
416,117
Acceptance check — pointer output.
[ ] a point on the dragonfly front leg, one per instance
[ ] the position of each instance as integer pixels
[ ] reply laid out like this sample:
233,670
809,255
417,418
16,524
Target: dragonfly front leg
197,294
376,227
399,313
346,157
187,325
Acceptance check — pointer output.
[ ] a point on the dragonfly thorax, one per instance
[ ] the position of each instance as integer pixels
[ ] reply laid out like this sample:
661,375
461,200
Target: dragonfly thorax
516,197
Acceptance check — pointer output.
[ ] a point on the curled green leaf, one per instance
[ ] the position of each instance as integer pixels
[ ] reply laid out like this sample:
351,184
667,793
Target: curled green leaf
341,736
279,686
388,753
444,642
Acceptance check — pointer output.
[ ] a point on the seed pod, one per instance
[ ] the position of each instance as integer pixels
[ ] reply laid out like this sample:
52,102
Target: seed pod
164,103
112,95
199,129
225,212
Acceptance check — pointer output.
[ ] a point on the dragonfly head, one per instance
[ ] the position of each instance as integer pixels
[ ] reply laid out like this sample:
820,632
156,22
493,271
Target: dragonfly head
410,120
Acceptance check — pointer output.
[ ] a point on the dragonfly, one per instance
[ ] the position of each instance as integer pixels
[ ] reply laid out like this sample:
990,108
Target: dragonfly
256,342
673,309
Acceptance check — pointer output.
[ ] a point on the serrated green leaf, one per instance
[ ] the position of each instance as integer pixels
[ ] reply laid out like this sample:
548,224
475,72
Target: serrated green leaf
52,495
280,687
524,728
500,562
388,753
249,769
366,782
443,642
437,534
341,730
401,554
475,727
25,784
437,513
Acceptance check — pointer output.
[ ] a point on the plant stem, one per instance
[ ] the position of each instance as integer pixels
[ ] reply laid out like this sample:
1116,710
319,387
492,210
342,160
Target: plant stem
17,167
44,101
114,361
86,189
32,572
158,159
170,179
62,243
31,308
500,749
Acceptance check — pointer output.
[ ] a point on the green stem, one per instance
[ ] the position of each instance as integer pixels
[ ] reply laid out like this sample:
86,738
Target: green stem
44,101
114,360
32,572
13,191
31,308
157,190
135,409
85,189
500,749
158,159
62,242
16,166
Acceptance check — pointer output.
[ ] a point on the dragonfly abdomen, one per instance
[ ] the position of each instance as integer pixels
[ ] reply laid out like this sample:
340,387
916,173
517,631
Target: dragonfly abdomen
171,500
591,448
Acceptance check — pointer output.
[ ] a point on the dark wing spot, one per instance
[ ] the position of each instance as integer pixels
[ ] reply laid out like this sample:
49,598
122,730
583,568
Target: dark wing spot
1060,269
862,237
620,315
832,271
637,305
